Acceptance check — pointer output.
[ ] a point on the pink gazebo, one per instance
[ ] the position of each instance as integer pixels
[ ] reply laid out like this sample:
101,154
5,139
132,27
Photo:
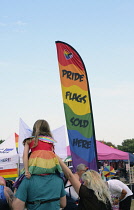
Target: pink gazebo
105,152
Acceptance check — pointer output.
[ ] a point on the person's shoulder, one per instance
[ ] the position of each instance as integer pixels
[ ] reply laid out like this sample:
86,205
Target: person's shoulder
76,176
8,190
113,181
83,189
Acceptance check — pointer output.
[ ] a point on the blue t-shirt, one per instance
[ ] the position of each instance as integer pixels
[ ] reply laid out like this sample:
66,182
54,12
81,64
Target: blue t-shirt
2,196
41,188
3,203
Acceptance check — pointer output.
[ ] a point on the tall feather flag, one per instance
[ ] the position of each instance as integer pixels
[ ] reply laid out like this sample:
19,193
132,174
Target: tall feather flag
77,106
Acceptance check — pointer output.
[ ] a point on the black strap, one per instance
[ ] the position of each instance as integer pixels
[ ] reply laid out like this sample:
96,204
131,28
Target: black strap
68,186
41,202
69,190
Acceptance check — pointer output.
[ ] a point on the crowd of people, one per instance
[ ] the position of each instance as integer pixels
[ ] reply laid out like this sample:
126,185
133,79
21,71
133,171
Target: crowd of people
43,185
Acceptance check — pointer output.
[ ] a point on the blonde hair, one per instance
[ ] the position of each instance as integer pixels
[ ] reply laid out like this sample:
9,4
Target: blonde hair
41,127
94,181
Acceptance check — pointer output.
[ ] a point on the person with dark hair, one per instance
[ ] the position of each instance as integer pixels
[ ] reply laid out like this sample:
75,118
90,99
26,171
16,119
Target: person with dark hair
6,196
121,193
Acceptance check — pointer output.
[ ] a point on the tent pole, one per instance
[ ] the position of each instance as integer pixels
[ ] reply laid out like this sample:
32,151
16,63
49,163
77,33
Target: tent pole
18,165
130,180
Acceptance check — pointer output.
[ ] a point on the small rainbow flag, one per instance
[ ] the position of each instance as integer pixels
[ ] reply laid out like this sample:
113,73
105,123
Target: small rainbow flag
16,141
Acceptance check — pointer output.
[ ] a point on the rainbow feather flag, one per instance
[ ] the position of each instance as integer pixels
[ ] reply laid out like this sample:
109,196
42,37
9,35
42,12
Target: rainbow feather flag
77,106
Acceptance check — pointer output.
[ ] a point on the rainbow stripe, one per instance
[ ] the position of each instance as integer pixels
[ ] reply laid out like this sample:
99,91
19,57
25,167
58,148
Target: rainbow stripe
16,141
43,161
77,106
47,139
9,173
67,54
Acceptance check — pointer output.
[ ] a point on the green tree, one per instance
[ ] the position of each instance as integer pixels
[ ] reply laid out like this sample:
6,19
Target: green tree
127,146
108,144
1,141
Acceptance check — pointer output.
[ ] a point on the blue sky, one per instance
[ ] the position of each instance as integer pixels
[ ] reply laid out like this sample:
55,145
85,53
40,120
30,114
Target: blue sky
101,31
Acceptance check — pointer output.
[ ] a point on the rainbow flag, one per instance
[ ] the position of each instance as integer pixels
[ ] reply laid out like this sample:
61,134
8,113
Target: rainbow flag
9,173
16,141
77,106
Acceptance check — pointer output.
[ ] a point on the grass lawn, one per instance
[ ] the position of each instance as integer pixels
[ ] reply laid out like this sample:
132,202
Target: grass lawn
132,205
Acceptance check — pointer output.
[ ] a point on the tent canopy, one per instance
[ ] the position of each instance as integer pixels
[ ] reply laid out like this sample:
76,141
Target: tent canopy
105,152
108,153
8,148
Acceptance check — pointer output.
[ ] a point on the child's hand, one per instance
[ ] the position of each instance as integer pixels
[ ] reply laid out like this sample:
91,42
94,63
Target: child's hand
27,174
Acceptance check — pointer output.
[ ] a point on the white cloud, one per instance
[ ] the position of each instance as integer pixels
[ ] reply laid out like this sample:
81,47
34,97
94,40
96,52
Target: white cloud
20,23
4,16
2,24
116,91
2,63
19,30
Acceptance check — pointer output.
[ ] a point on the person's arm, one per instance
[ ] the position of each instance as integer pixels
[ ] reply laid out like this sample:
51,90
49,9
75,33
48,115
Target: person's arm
70,176
63,202
9,196
18,204
123,194
77,176
117,200
25,160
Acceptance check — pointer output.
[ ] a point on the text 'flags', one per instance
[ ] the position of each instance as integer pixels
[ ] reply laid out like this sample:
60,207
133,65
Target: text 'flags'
77,106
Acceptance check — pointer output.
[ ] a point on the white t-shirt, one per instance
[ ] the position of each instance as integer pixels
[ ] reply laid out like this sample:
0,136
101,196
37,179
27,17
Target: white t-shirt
71,190
116,186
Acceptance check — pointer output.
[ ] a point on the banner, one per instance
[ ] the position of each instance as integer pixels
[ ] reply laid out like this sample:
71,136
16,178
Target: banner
9,171
9,158
77,106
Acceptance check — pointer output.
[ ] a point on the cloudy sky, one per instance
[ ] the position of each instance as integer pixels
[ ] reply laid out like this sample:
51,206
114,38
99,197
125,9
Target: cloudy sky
103,34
